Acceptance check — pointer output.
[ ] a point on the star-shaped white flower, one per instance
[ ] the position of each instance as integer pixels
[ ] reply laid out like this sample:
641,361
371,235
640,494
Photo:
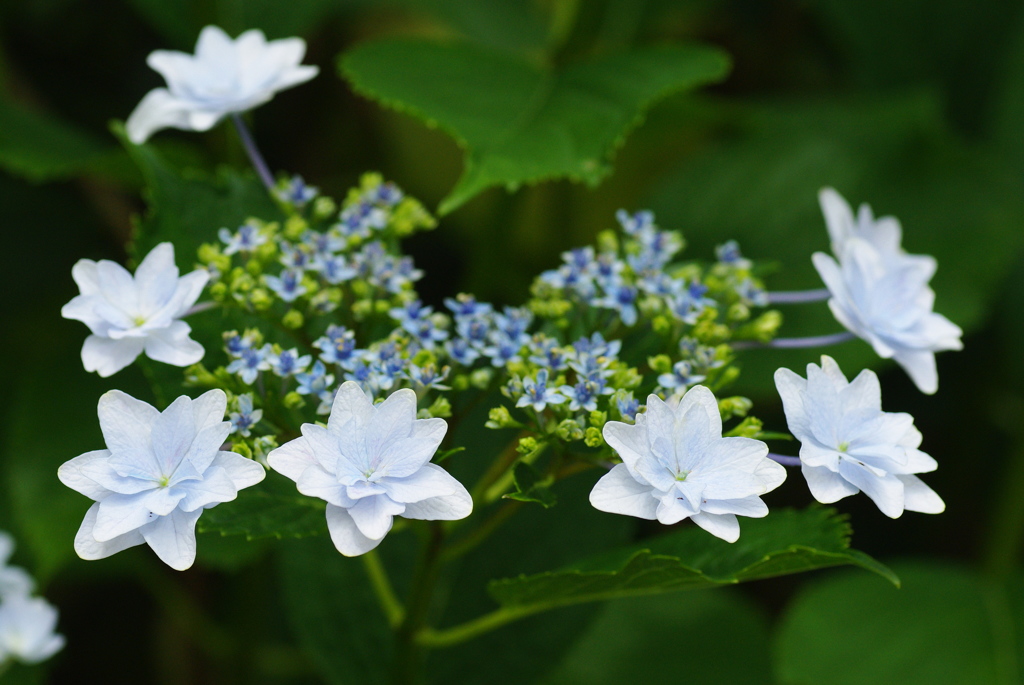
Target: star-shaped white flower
223,77
372,463
159,472
130,315
27,626
848,444
888,303
880,292
676,465
884,233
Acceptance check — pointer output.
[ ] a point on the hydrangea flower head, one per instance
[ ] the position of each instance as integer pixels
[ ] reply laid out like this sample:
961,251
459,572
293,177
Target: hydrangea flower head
159,472
676,465
224,76
372,463
129,315
848,444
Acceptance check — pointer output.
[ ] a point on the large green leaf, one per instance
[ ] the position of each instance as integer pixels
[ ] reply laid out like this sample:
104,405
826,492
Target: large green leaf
40,147
786,541
187,206
519,122
638,640
332,611
262,512
945,626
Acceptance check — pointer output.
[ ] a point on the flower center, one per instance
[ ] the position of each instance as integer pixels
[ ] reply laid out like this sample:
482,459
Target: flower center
139,320
843,446
681,476
164,481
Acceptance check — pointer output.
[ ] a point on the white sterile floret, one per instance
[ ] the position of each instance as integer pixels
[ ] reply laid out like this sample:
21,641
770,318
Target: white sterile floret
676,465
27,630
159,472
224,76
848,444
372,463
880,293
888,303
130,315
14,580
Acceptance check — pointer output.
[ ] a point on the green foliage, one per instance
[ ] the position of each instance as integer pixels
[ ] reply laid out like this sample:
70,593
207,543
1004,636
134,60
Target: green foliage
264,511
187,207
40,147
542,123
333,613
530,486
727,636
945,626
788,541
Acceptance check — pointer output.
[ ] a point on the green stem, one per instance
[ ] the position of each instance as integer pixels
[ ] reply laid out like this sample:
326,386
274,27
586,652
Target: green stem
481,532
450,637
389,603
504,482
410,653
497,468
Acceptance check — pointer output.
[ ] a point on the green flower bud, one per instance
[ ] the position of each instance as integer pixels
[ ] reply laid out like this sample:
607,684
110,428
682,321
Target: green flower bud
460,382
260,299
481,378
593,437
607,241
294,400
661,363
361,309
498,417
294,227
569,431
526,445
381,306
598,418
219,291
324,207
734,406
441,408
241,448
738,312
750,427
293,319
199,375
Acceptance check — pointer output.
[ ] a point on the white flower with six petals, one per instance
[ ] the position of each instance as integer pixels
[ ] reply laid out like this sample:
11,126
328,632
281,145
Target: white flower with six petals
372,463
159,472
676,465
129,315
223,77
848,444
881,294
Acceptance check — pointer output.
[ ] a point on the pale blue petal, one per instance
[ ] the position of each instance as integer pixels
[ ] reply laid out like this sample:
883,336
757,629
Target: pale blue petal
346,535
374,515
173,538
618,492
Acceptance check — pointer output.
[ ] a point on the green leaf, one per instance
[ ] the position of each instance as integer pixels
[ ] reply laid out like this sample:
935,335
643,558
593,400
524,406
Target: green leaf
733,638
258,513
530,487
540,124
187,206
945,626
333,613
40,147
786,541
